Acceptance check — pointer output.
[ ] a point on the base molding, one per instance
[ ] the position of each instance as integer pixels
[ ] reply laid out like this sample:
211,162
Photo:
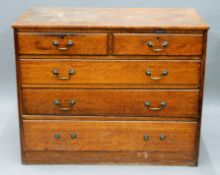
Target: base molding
151,158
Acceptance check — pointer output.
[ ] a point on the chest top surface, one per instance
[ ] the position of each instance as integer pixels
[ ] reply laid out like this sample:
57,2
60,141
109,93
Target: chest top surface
111,18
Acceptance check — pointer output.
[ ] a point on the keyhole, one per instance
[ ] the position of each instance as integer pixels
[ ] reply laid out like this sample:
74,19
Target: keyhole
158,38
62,36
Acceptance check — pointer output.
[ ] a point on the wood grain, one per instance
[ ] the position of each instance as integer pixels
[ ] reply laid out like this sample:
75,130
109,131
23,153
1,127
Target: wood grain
119,157
83,43
182,103
110,73
110,18
178,44
110,57
110,136
107,118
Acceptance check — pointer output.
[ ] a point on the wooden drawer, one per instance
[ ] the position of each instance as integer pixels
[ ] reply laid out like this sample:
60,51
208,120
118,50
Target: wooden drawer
158,44
62,43
109,136
97,72
161,103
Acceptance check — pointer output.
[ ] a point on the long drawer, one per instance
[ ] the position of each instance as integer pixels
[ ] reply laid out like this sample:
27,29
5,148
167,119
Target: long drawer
96,72
62,43
109,136
157,44
161,103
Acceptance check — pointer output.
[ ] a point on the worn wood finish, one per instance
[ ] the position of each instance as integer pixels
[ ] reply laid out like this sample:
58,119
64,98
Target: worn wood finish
182,103
110,56
106,86
111,18
137,44
101,157
111,31
42,43
104,136
202,80
107,118
95,72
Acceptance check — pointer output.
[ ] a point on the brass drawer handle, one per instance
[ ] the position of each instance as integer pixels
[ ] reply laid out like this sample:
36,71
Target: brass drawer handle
73,135
146,137
57,135
68,45
162,137
56,73
162,106
151,45
163,74
58,104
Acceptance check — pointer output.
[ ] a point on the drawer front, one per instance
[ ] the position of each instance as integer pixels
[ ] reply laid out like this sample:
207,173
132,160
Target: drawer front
62,43
109,136
78,72
157,44
162,103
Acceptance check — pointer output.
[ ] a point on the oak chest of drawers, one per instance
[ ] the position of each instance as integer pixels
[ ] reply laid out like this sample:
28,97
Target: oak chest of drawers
110,85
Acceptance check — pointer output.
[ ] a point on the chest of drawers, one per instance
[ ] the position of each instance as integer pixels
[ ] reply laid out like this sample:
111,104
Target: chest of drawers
110,85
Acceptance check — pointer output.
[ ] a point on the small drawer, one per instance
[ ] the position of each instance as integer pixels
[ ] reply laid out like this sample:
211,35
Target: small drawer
92,102
109,136
158,44
62,43
98,72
